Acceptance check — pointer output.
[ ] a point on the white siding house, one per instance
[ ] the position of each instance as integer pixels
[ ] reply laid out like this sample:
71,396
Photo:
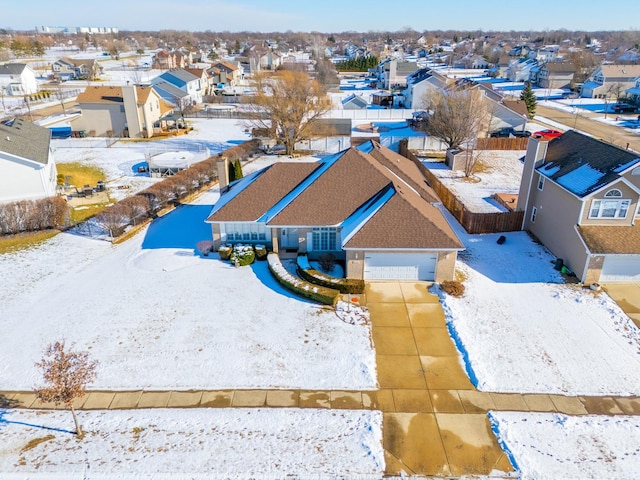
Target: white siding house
17,79
27,168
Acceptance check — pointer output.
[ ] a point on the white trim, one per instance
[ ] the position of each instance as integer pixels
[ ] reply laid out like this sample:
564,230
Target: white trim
392,249
611,184
586,250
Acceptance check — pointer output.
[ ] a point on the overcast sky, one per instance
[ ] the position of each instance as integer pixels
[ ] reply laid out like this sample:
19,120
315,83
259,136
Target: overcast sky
324,15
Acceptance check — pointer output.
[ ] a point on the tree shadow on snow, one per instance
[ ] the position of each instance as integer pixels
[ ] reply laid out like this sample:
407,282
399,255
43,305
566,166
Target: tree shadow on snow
5,421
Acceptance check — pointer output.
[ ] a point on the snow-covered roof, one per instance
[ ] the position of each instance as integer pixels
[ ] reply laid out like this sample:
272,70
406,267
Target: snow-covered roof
583,165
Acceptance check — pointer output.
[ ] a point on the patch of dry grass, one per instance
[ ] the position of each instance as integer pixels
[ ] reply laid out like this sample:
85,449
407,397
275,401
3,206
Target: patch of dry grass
79,174
34,442
22,241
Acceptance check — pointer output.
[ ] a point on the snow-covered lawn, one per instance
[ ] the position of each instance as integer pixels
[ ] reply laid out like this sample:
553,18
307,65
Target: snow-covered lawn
158,316
500,172
120,162
522,330
547,446
194,443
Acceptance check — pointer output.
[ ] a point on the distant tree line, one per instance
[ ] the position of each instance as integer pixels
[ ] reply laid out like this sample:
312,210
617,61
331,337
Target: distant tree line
360,64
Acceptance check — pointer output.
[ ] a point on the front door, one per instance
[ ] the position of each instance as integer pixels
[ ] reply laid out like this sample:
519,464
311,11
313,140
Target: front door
289,238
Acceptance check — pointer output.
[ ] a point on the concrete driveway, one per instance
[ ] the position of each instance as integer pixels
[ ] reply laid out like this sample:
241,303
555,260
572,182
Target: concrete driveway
627,296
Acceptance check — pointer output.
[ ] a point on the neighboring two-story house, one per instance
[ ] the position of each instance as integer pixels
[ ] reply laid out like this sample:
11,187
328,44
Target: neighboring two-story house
76,69
232,73
610,81
188,83
130,111
17,79
27,167
580,197
556,75
393,73
419,85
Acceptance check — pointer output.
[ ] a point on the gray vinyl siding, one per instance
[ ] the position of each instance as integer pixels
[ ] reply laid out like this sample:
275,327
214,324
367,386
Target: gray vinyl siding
556,218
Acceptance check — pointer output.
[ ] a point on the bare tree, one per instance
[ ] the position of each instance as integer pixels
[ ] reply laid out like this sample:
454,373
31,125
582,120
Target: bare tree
286,104
66,374
457,115
472,158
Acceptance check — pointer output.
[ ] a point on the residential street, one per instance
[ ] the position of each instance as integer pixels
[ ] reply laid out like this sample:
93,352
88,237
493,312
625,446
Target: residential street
584,121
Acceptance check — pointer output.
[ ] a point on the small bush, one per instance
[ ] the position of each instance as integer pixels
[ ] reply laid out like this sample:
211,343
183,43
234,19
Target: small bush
205,247
224,251
453,288
327,262
242,255
261,252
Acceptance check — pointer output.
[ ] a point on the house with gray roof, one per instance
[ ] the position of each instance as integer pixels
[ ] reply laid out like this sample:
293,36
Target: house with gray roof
354,102
368,206
580,198
17,79
27,167
185,81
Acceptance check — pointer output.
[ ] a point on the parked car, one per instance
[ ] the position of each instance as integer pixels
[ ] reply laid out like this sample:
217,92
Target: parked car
624,108
547,134
509,132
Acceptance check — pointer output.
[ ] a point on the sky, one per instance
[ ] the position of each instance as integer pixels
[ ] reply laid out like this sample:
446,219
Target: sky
324,16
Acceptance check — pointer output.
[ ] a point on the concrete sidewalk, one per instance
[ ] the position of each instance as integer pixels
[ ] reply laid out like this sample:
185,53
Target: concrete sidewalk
627,296
434,420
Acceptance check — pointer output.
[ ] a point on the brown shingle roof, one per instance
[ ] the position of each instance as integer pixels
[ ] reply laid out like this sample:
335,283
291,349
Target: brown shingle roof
264,192
611,239
406,221
517,106
336,194
105,94
403,168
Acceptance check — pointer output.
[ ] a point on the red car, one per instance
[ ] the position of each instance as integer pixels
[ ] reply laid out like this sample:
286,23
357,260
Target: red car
547,134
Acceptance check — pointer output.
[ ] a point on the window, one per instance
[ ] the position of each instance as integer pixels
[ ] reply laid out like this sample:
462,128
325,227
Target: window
245,232
609,208
615,193
534,211
540,182
324,239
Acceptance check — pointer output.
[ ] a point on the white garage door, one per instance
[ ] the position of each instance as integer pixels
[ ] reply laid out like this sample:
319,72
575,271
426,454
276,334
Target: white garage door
620,268
399,266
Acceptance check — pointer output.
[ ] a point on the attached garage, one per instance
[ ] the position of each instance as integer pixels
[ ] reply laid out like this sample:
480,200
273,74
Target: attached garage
620,268
400,266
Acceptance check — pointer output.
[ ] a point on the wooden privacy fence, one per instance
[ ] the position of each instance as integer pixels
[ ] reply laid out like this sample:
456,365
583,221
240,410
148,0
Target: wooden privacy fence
472,222
502,143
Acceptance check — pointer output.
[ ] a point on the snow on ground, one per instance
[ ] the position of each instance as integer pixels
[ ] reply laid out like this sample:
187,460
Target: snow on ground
158,316
500,172
550,446
521,330
121,160
193,443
